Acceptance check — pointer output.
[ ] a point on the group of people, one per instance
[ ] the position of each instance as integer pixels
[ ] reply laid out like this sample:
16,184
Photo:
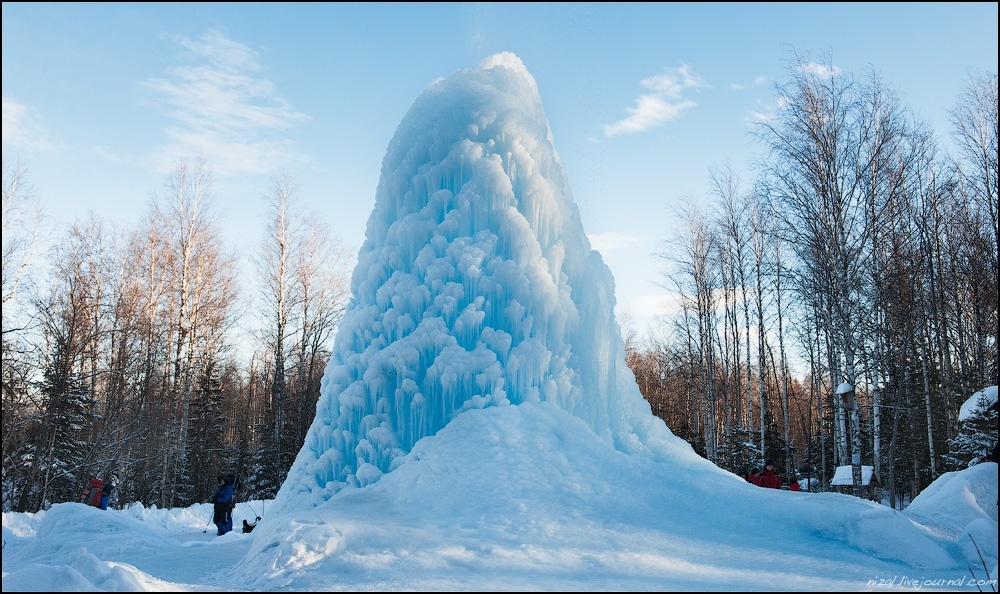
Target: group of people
97,492
768,478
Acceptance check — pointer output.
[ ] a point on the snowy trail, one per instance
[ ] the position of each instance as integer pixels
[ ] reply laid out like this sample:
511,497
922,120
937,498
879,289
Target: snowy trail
198,556
204,559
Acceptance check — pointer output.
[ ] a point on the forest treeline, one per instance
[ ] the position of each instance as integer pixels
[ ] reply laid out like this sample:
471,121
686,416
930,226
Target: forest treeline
842,303
860,254
127,360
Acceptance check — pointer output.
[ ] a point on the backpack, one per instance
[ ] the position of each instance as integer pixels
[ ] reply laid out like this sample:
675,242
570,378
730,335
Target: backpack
92,494
231,480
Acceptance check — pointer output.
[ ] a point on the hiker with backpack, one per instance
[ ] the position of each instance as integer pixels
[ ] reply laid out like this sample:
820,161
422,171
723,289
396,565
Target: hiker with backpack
92,492
223,503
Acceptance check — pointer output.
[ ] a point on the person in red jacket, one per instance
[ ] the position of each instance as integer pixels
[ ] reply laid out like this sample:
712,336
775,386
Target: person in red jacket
92,492
753,477
769,478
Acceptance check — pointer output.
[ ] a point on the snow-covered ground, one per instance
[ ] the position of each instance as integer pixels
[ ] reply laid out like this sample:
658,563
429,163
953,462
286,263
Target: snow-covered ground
527,498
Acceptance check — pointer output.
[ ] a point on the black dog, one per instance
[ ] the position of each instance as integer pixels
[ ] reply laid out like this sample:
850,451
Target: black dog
248,527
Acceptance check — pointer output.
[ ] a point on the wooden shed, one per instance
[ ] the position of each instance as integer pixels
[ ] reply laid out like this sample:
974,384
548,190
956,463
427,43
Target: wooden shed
843,482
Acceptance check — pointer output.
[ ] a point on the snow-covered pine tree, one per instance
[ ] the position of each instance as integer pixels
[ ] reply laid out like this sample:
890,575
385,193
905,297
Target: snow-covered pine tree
977,434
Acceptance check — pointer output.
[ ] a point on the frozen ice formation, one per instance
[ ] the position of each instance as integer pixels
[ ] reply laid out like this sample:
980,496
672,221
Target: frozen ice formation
476,286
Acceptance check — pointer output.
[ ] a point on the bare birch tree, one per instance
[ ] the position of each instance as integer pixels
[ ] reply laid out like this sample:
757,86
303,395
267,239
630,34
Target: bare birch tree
21,224
975,122
198,265
274,267
303,280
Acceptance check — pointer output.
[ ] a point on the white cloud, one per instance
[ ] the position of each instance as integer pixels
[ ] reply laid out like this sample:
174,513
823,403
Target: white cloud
611,241
23,129
821,70
646,313
221,51
663,103
225,109
757,81
756,117
766,113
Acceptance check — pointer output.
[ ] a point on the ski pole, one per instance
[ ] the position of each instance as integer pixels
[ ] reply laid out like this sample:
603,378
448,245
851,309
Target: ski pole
210,518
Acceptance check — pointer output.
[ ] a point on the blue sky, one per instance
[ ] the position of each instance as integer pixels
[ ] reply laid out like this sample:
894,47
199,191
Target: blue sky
101,100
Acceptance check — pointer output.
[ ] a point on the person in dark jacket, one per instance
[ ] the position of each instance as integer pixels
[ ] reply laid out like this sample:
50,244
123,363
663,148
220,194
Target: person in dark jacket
223,502
768,477
106,491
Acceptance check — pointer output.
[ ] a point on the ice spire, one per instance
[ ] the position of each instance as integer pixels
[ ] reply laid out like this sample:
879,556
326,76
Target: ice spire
476,286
